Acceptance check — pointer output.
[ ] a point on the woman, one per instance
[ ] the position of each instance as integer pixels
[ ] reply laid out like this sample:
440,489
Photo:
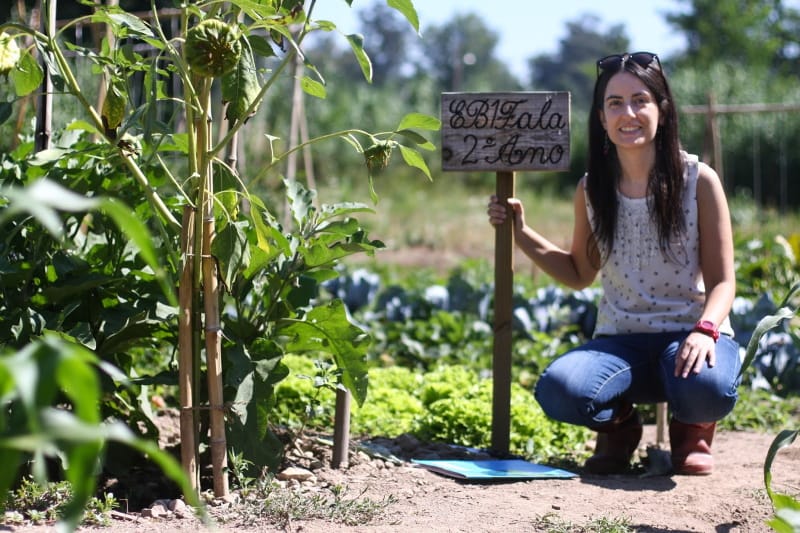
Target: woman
655,222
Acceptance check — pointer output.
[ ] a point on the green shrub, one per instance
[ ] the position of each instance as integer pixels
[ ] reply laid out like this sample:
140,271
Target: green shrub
392,405
303,397
459,411
450,404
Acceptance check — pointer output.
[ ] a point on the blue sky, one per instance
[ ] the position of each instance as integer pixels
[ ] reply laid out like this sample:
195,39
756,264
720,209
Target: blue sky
530,27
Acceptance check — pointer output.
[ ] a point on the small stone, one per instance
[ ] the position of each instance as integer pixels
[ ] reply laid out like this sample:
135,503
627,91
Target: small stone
156,511
296,473
178,506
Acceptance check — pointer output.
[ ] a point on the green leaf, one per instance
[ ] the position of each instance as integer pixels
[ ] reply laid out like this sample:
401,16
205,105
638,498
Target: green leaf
765,324
131,333
5,111
76,287
420,121
113,110
78,380
783,439
327,329
300,199
81,125
414,159
41,199
417,139
260,46
406,8
135,229
27,75
313,88
357,44
76,435
121,19
240,87
329,211
230,249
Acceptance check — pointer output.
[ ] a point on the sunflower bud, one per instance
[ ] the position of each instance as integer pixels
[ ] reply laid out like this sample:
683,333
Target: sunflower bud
212,48
378,155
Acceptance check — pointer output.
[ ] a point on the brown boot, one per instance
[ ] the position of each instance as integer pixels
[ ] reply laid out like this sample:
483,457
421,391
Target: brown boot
616,442
691,447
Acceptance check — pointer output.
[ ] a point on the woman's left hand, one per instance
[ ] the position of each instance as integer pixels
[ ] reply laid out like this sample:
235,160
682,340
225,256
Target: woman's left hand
694,352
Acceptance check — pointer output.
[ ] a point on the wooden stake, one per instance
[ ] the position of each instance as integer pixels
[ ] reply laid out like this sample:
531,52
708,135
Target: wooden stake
341,429
186,381
218,443
661,423
211,297
44,113
503,315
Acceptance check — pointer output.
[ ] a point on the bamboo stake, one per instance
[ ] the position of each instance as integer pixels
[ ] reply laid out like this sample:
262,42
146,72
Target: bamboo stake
186,382
219,454
219,461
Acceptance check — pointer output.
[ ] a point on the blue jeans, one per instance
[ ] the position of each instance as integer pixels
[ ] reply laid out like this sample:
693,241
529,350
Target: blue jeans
587,386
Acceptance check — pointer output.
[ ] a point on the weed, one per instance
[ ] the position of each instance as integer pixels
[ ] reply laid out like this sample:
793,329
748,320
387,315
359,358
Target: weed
552,523
38,503
268,500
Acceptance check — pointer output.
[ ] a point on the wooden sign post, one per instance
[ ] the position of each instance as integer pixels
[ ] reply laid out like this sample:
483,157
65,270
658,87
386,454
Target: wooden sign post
504,132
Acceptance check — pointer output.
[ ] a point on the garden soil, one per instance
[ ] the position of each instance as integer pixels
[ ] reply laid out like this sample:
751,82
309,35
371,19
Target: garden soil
732,499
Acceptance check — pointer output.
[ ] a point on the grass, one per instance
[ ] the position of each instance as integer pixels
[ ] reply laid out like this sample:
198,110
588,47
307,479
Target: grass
438,225
552,523
33,503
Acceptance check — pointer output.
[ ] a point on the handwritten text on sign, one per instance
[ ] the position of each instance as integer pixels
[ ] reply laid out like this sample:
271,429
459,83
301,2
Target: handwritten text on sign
505,131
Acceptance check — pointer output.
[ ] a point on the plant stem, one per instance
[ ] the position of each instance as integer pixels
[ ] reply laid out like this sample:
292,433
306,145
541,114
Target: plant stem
342,133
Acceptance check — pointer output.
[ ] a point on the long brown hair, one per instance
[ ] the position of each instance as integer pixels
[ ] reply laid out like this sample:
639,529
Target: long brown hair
665,186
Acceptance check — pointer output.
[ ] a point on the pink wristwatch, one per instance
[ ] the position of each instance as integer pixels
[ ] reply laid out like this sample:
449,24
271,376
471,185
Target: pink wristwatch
706,327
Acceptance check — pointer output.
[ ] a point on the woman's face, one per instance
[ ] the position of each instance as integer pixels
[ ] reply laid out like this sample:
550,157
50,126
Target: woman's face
630,112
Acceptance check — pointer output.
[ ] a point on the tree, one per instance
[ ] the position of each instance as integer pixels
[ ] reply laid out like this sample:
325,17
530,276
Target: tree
573,67
387,41
461,54
751,32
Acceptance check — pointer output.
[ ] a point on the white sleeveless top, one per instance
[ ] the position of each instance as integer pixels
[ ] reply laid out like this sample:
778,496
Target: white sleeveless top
644,290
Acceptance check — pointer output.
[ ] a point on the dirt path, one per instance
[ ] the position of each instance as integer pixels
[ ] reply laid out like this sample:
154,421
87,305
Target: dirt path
731,499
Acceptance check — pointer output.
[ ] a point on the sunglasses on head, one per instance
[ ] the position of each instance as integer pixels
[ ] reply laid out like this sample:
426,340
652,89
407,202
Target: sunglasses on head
616,61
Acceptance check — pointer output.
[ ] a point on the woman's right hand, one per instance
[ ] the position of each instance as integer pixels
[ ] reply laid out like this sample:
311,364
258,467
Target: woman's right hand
498,212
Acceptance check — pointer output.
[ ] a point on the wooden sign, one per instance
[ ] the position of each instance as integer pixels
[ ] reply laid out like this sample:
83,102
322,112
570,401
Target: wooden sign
505,131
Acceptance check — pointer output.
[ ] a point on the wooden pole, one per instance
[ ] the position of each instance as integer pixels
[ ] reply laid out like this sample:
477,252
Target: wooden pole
503,315
661,423
341,429
44,113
